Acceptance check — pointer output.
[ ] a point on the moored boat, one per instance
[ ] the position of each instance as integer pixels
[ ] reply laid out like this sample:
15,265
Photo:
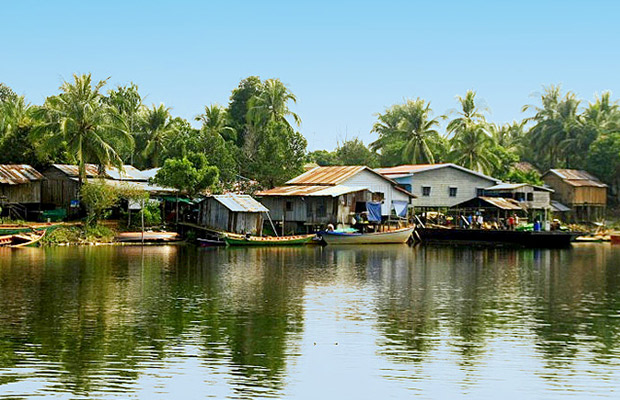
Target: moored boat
210,242
21,239
395,236
539,239
241,240
12,229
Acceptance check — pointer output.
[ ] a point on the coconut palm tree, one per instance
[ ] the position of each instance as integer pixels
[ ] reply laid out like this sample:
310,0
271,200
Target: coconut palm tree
473,148
215,120
271,105
79,121
157,126
470,114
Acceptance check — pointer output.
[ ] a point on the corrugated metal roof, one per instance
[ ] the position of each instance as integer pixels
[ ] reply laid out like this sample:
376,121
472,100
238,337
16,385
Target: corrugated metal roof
500,202
240,203
137,185
129,173
17,174
411,169
150,173
327,175
311,191
559,207
576,177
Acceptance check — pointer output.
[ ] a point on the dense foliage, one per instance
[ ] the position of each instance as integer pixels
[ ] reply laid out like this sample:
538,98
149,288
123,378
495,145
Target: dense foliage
255,137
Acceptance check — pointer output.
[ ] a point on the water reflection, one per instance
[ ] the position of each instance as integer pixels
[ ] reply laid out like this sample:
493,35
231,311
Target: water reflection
248,323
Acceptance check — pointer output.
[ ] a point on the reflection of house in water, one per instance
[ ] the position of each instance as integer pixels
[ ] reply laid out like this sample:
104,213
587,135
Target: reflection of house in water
579,190
333,195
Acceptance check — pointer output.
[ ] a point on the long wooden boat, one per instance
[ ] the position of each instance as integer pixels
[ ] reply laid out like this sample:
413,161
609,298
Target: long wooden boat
210,242
539,239
396,236
240,240
12,229
21,239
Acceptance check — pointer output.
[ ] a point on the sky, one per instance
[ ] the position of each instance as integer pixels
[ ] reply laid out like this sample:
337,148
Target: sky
345,61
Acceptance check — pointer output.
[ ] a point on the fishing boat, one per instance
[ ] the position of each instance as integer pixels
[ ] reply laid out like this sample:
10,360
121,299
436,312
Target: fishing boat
21,239
540,239
210,242
241,240
395,236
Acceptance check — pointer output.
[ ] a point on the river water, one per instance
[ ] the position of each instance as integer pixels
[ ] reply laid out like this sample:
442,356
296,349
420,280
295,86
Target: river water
384,322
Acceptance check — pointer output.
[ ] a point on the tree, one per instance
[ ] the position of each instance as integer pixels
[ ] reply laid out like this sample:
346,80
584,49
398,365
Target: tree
408,133
355,152
215,121
78,121
323,157
239,105
604,160
128,102
157,125
98,197
15,126
471,144
271,105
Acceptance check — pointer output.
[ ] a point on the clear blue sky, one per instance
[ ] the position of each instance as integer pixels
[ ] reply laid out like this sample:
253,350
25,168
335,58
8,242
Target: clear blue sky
345,61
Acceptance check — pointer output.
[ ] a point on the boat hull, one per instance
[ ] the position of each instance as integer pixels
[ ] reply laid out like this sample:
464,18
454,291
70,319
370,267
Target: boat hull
482,236
391,237
210,242
267,241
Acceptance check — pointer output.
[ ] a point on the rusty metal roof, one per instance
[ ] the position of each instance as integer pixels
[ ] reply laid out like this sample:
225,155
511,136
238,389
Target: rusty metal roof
576,177
17,174
240,203
129,173
312,191
327,175
503,203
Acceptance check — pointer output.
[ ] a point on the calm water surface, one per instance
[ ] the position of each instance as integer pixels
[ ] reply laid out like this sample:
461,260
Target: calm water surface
310,323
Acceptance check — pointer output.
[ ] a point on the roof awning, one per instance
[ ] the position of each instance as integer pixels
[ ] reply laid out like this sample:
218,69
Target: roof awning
559,207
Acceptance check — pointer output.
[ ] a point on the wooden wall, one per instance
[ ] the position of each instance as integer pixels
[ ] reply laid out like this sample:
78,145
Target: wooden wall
575,195
24,193
214,214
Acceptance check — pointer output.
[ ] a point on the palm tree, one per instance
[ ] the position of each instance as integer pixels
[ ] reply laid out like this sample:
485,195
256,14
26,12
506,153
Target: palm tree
472,144
271,105
157,127
215,120
79,121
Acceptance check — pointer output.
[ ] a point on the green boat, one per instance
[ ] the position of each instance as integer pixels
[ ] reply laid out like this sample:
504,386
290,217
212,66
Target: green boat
240,240
16,229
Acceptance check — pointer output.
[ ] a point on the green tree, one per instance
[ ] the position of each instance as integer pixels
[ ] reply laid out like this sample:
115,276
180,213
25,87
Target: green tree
272,105
408,134
15,127
128,102
98,197
79,121
215,120
355,152
323,157
157,125
239,106
604,161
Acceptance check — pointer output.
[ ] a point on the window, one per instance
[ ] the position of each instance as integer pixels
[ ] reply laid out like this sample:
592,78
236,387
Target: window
289,206
530,197
452,191
479,192
426,190
321,208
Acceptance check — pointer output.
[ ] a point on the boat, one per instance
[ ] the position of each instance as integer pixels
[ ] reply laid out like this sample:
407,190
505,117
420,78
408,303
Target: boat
539,239
12,229
241,240
395,236
149,237
21,239
210,242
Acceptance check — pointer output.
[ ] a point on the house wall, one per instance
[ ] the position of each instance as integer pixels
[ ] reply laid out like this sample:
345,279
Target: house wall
24,193
590,195
58,190
575,195
215,215
441,180
367,179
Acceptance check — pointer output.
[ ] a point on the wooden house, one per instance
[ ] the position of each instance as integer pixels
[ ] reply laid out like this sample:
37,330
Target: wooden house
20,189
579,190
237,213
531,197
439,185
333,195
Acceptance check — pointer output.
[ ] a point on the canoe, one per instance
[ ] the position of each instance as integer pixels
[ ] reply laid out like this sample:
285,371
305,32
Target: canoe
21,239
240,240
396,236
210,242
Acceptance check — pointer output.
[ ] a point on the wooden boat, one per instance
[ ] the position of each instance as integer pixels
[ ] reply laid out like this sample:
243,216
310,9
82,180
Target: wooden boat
539,239
21,239
396,236
210,242
240,240
149,237
12,229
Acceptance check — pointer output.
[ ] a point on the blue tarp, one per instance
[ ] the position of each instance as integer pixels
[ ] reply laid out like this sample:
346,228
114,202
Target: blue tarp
374,211
400,206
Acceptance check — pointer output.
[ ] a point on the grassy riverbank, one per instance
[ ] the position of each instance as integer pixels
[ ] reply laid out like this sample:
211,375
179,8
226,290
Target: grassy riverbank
79,235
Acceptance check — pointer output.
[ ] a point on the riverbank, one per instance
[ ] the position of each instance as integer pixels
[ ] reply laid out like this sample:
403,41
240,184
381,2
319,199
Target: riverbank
80,234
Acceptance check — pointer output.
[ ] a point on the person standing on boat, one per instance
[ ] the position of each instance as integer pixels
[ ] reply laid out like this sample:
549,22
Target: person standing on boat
511,223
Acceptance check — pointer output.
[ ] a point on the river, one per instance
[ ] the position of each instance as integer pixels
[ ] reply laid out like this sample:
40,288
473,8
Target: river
374,322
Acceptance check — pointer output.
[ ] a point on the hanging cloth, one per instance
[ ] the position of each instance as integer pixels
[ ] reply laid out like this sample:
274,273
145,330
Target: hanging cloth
374,211
400,206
